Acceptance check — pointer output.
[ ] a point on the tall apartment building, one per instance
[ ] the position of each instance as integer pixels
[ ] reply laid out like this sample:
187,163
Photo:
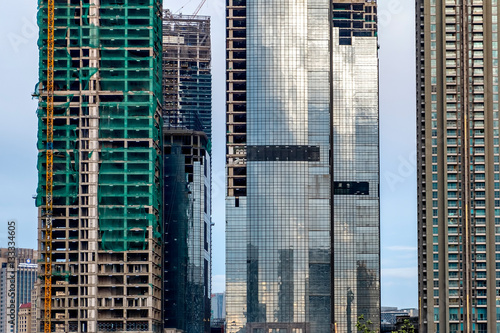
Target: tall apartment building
107,215
187,172
302,206
458,174
18,275
458,169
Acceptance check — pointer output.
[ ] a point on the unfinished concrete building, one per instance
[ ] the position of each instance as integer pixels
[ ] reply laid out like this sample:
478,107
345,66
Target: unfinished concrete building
107,166
186,72
187,172
236,115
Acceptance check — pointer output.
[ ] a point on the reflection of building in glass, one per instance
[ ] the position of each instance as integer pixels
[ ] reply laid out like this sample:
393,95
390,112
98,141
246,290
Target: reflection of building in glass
218,318
458,165
218,302
187,231
302,205
187,172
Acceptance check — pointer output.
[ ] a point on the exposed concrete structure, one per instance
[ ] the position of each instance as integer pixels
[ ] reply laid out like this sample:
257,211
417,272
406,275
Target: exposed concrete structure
187,72
236,113
107,216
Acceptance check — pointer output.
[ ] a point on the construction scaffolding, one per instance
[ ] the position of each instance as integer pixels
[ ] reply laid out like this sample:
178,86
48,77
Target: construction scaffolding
107,166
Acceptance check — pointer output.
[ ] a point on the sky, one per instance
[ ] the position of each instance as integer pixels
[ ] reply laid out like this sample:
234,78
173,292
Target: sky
18,131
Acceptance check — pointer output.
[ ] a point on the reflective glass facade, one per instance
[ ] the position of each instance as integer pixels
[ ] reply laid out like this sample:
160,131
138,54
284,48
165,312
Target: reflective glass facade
187,231
356,236
302,134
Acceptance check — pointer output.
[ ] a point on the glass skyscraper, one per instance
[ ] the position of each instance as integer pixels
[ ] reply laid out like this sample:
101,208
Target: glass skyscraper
302,206
459,169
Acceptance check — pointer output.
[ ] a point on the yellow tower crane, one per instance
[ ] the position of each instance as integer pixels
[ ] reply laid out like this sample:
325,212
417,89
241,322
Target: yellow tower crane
50,166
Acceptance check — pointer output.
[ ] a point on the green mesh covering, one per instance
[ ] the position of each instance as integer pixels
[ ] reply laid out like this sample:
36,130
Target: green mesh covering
126,188
128,77
65,178
208,147
64,136
64,274
124,228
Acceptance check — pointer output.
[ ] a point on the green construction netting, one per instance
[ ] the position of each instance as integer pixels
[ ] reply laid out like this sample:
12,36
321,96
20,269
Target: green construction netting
65,178
127,187
64,274
123,36
208,147
64,136
127,34
124,228
128,128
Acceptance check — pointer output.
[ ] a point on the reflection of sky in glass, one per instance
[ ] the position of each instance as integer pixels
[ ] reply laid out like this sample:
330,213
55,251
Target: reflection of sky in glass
278,237
277,72
356,218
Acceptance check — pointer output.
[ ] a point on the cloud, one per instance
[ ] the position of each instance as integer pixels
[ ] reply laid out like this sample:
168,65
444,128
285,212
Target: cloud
400,273
218,284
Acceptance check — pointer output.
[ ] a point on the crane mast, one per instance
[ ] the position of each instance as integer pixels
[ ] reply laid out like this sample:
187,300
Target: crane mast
50,166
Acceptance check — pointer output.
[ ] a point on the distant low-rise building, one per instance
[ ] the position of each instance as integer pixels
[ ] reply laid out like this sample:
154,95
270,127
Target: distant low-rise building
400,320
393,318
218,329
24,318
389,314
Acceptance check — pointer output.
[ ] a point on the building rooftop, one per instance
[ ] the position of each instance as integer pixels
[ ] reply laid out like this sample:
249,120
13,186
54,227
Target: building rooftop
25,305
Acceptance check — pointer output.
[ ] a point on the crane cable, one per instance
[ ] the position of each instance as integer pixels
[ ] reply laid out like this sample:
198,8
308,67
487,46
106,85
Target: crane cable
183,6
196,11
